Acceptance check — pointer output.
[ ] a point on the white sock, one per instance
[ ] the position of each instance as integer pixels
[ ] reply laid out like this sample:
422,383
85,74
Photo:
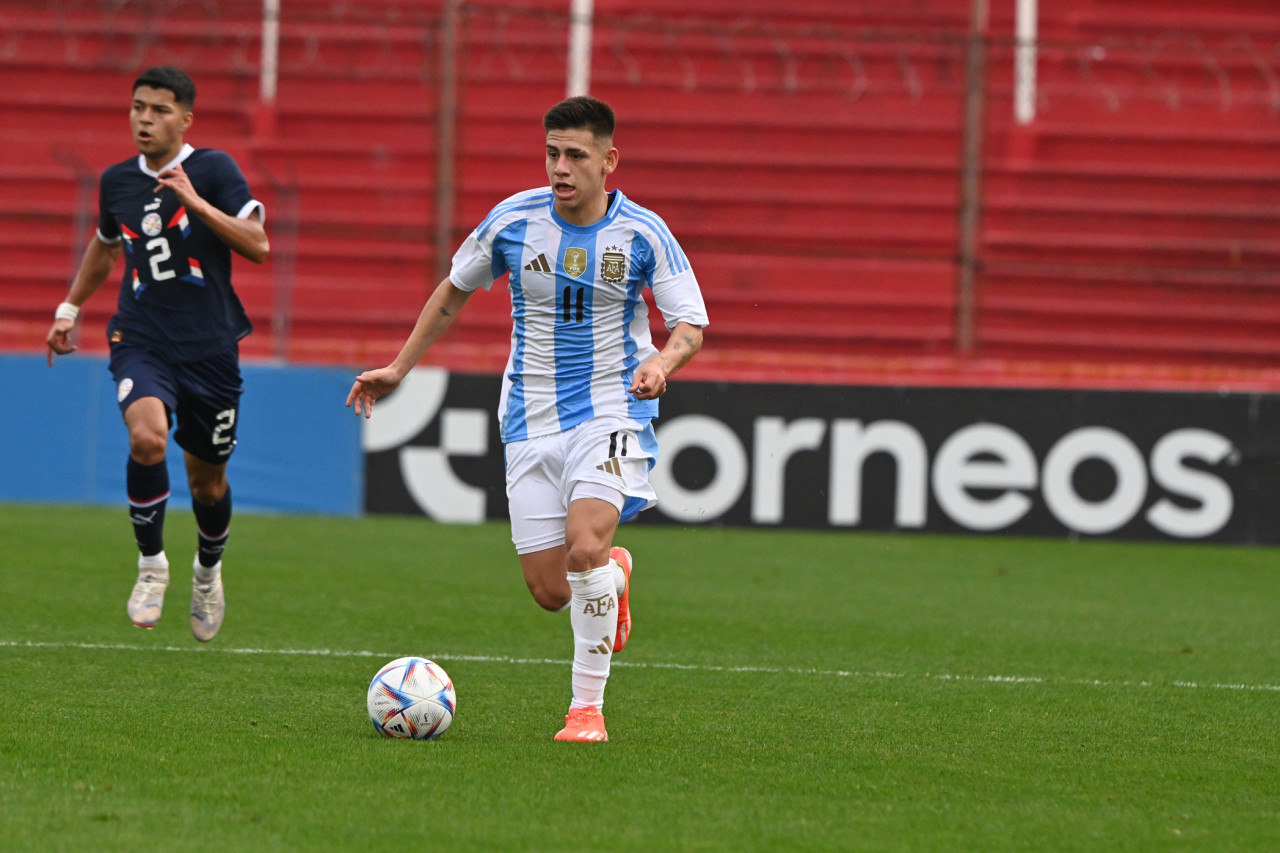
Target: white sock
203,573
157,564
593,615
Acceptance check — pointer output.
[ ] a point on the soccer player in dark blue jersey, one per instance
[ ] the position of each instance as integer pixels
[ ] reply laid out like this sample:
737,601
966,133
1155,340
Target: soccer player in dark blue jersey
176,214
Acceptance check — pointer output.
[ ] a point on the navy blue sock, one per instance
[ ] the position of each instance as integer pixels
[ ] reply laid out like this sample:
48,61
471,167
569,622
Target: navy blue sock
213,524
148,487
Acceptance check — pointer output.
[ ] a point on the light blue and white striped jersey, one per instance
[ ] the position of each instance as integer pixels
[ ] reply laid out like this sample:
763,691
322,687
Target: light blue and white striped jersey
580,325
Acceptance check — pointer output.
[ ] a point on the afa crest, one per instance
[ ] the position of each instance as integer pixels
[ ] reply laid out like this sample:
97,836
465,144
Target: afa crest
613,265
575,262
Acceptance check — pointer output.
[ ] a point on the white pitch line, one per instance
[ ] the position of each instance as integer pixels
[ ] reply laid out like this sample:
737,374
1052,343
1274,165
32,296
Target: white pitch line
771,670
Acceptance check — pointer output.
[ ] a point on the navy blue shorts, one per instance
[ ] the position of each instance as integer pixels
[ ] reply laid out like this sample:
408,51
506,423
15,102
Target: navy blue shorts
204,395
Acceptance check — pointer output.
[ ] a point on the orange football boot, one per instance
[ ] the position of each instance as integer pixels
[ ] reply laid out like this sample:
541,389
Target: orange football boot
585,725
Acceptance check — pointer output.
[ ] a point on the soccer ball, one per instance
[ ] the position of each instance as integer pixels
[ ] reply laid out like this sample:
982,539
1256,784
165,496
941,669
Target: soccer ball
412,698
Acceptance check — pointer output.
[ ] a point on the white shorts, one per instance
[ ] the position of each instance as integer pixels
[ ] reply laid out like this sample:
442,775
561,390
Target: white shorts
605,458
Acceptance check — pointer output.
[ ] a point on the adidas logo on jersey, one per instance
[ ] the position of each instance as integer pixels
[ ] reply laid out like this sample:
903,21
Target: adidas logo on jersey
611,466
539,264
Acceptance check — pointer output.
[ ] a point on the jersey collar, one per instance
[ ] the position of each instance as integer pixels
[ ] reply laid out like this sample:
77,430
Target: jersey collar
616,198
186,152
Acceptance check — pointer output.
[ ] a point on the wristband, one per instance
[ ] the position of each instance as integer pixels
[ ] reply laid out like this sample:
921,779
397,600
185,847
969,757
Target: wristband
67,311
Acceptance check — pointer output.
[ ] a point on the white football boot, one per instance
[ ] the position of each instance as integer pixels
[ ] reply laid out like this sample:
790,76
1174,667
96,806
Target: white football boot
147,600
207,604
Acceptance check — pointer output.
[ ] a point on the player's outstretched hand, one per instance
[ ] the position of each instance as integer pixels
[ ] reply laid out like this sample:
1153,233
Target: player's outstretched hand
371,385
59,339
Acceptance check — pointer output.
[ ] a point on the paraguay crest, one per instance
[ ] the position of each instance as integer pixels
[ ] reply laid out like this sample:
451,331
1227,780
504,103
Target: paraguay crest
152,224
575,262
613,265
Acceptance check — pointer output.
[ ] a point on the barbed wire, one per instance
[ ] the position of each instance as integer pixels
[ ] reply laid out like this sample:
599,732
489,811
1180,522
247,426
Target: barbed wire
339,40
698,54
501,42
1176,69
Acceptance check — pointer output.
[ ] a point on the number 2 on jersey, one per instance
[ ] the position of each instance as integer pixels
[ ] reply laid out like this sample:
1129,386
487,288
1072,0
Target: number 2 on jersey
159,251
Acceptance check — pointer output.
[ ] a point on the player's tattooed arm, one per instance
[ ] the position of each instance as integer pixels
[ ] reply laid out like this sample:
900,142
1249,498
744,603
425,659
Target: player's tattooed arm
686,340
651,377
444,304
682,346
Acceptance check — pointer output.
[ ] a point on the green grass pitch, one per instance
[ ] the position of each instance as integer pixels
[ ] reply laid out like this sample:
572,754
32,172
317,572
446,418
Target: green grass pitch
783,691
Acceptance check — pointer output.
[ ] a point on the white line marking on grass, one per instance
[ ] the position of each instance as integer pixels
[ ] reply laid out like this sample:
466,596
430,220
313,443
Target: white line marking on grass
689,667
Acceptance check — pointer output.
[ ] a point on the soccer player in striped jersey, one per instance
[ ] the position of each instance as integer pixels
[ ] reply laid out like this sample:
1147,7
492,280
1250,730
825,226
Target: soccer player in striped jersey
175,213
581,386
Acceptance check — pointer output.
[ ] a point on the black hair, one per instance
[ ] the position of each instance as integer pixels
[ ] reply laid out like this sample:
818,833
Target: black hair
173,79
581,111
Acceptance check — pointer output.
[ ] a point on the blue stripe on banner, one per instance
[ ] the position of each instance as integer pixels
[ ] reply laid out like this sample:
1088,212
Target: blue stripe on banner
575,343
675,258
528,203
81,460
515,424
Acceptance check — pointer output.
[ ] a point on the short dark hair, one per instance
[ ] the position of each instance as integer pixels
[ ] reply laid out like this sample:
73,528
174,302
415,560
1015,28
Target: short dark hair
581,111
173,79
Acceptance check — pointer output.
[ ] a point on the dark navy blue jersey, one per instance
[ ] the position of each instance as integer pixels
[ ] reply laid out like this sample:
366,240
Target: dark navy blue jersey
176,297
